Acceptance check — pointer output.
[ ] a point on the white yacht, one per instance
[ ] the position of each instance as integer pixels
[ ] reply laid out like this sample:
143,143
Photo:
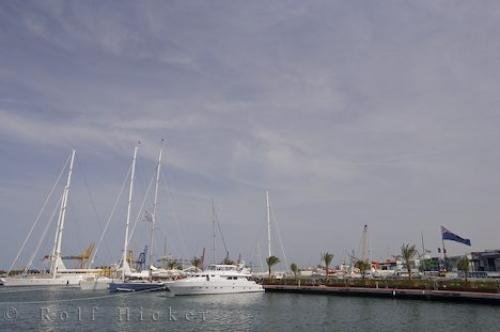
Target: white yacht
216,279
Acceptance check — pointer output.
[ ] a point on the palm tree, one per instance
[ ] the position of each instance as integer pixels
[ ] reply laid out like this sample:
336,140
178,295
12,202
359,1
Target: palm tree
295,269
363,266
271,260
172,264
407,253
196,262
228,261
464,265
326,258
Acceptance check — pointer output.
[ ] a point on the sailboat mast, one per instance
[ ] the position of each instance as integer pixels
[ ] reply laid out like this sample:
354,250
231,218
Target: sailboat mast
268,225
214,247
155,204
56,252
423,247
129,208
53,258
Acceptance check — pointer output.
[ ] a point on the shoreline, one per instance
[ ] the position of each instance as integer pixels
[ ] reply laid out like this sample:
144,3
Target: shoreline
395,293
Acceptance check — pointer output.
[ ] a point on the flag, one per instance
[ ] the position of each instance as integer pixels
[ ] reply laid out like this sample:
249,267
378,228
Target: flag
447,235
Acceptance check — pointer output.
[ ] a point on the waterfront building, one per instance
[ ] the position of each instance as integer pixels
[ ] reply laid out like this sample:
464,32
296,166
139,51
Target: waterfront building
486,262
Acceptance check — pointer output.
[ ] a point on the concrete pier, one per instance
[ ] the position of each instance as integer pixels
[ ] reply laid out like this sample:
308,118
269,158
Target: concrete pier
421,294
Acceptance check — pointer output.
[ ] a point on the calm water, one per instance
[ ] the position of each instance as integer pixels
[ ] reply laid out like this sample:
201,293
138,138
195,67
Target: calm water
57,310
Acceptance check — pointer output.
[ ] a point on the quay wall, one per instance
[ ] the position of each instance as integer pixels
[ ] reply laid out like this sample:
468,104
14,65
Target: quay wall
420,294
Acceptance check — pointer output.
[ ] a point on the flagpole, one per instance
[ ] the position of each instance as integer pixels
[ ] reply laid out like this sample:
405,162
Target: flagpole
444,254
423,252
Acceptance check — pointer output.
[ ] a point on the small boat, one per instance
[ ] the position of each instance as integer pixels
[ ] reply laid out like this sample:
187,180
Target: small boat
136,286
216,279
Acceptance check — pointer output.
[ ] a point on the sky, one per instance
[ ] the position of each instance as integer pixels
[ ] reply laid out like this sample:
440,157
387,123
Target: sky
349,112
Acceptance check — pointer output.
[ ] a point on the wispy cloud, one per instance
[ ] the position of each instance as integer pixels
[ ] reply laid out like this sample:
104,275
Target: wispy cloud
350,112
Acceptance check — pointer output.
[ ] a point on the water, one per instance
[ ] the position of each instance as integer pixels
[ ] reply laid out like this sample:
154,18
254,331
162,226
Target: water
57,310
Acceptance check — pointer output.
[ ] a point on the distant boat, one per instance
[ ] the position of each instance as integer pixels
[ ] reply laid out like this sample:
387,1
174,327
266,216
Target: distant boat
59,274
216,279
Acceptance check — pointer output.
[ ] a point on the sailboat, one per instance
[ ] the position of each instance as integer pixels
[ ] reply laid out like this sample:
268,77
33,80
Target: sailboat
59,275
126,284
263,273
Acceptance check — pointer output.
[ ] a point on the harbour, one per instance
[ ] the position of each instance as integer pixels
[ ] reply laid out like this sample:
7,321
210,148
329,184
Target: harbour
40,310
260,165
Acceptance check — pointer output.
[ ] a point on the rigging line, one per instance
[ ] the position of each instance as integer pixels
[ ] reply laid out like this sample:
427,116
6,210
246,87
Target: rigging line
139,180
159,229
91,198
163,236
199,198
94,255
44,205
77,236
256,249
40,241
174,215
279,236
220,231
139,214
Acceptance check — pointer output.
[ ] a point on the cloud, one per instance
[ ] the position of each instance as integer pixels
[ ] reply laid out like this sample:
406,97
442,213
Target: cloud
350,112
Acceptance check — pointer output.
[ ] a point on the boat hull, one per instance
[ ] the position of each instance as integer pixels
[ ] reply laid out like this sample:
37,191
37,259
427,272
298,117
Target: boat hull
95,284
211,288
69,281
136,286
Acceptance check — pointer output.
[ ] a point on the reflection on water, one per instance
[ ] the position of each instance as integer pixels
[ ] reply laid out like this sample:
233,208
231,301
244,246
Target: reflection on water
62,309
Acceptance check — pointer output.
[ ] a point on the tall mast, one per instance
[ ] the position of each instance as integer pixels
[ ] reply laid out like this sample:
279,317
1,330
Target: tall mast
53,258
129,208
364,244
423,247
56,251
214,248
268,225
155,204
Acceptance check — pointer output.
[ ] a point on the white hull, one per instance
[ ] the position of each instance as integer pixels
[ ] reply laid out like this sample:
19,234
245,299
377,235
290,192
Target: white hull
100,283
187,287
216,279
42,281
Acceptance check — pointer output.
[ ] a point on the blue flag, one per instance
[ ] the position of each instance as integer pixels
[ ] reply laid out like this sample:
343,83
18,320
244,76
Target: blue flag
447,235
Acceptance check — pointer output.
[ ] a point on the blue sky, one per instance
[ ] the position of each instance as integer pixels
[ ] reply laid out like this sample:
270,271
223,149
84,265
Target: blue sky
350,112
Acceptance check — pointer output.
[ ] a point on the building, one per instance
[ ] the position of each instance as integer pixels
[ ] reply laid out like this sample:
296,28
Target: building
486,261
